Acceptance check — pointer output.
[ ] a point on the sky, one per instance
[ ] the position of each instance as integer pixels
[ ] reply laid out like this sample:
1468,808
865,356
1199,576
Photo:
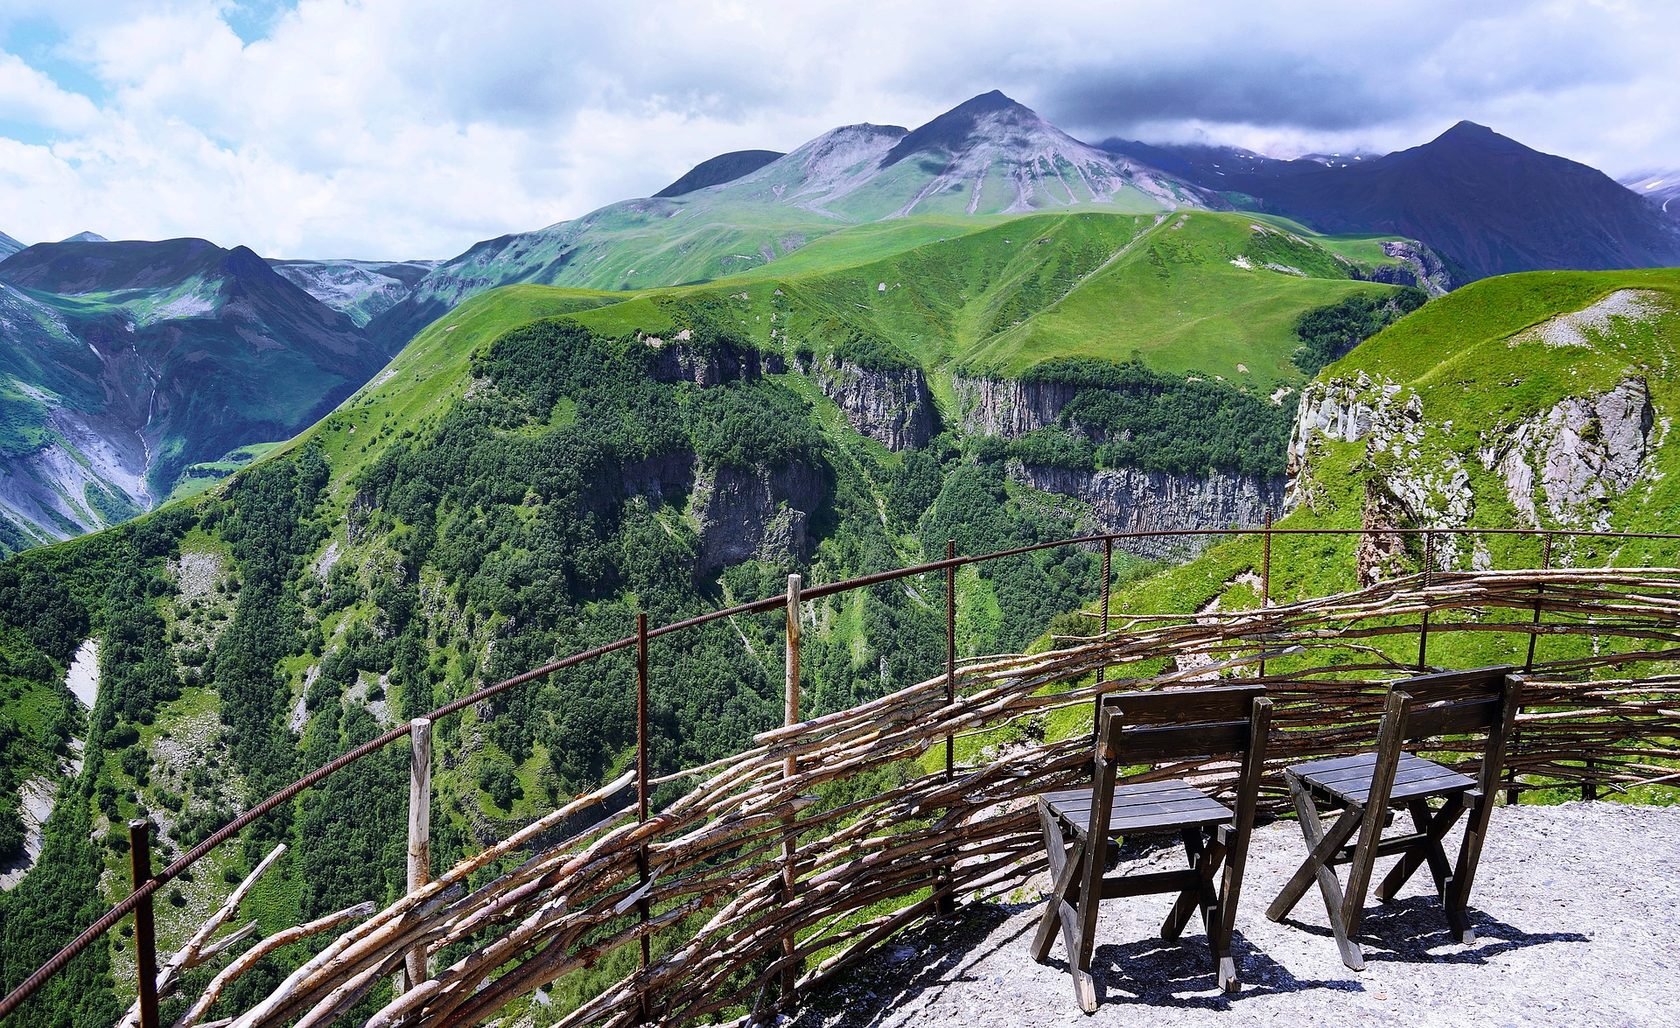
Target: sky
413,128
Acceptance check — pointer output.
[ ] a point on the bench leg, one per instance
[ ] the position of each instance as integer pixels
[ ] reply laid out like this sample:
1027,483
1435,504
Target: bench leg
1435,826
1464,875
1066,863
1321,847
1187,900
1064,871
1318,866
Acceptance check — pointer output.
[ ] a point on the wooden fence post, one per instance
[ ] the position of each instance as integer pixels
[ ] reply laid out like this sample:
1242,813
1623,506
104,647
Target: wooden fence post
1265,578
419,830
944,902
1102,670
1511,796
1428,577
643,910
790,768
145,934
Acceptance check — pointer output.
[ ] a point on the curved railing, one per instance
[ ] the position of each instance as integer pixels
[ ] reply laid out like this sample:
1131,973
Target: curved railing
947,709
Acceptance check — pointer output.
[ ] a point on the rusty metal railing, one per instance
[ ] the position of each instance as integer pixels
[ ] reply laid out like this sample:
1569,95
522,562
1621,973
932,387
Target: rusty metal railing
139,901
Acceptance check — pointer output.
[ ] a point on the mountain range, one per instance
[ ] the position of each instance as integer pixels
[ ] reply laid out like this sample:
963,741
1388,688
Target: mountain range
1660,188
1486,203
128,364
85,447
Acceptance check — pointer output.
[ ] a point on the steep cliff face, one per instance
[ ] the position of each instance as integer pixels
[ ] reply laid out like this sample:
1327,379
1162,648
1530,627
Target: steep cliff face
678,360
1581,452
1010,407
1420,266
1134,500
756,512
1562,467
892,406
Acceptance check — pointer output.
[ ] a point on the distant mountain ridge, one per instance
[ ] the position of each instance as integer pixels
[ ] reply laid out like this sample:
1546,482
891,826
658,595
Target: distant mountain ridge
725,167
1487,203
124,365
987,156
362,290
8,246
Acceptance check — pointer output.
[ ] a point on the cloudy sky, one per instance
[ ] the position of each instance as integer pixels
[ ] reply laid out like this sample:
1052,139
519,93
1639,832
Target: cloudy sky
412,128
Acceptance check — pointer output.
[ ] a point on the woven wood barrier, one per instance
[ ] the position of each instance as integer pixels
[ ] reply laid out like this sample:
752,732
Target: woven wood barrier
879,836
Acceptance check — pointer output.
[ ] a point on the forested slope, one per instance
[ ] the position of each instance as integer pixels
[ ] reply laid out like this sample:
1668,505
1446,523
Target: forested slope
538,467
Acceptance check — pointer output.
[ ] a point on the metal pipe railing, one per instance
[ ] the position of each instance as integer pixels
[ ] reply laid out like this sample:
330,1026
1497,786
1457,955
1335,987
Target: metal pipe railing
142,894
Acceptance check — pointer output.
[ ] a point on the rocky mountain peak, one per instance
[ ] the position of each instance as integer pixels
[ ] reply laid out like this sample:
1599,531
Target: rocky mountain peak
972,122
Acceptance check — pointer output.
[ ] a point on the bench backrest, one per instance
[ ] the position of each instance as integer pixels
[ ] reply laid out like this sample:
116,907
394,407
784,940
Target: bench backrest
1454,702
1448,703
1145,727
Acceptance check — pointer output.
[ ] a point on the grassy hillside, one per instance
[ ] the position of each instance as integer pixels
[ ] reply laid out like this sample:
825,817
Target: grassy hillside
1485,359
521,480
998,298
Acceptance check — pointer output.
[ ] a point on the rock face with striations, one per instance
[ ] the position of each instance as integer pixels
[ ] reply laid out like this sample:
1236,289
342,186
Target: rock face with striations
1010,407
678,360
1562,467
892,406
1573,458
756,512
1135,500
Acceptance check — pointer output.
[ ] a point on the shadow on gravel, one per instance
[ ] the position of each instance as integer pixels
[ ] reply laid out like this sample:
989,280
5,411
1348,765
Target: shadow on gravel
925,961
1415,930
1155,972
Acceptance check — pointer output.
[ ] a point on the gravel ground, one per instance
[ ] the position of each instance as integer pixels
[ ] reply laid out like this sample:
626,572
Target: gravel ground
1573,906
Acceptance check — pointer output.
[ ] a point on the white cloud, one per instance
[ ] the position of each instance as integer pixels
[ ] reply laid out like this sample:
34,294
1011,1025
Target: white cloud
415,127
28,96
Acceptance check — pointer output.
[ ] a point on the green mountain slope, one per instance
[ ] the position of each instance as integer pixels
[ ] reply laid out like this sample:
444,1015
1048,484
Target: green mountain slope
985,157
1542,399
531,471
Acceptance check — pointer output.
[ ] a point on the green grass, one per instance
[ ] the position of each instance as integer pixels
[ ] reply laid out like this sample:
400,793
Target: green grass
990,295
1175,300
1477,375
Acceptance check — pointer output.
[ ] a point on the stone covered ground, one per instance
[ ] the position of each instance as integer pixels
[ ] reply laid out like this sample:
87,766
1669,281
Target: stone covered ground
1575,909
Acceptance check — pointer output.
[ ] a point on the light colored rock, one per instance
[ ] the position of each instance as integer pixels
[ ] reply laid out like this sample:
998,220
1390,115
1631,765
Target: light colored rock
83,677
1578,328
1586,450
35,806
1009,407
1135,500
894,407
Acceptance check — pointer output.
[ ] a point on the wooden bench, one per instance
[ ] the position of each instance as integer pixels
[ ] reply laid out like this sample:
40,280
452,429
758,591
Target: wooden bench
1366,786
1142,728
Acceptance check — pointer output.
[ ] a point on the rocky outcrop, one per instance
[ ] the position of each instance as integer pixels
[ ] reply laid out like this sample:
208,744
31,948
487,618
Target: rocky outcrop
1010,407
1132,500
664,477
678,360
88,475
892,406
1414,484
756,512
1419,266
1577,455
1560,468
